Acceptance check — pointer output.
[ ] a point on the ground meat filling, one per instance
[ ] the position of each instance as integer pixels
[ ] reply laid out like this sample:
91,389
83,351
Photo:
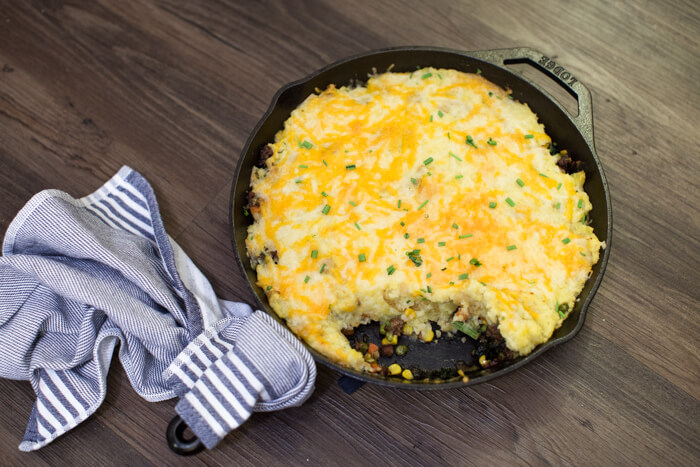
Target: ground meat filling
492,347
265,154
569,165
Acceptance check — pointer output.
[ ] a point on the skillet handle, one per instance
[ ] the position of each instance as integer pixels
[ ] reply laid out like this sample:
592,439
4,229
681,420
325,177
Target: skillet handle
543,63
175,436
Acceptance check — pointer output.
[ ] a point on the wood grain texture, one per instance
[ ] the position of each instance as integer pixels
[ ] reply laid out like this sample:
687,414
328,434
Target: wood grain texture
173,88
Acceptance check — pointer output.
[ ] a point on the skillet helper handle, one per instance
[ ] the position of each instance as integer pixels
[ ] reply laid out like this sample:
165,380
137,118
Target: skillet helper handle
555,71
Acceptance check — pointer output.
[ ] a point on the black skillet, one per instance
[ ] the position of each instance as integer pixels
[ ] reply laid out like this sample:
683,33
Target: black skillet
574,133
571,132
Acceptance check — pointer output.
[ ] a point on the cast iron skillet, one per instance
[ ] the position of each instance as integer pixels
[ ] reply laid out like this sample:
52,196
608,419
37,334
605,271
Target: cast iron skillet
574,133
571,132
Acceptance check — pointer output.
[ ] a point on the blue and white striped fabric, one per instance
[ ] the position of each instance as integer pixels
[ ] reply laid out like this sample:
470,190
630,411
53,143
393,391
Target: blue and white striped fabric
79,276
239,366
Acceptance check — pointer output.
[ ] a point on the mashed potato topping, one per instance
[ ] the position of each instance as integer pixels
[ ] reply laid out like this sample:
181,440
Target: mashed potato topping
429,196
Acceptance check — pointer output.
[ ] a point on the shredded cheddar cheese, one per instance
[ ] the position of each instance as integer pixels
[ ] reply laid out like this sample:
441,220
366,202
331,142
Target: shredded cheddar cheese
430,196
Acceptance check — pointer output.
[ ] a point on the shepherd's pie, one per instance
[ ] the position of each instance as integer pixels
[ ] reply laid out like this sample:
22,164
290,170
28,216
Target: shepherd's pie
429,196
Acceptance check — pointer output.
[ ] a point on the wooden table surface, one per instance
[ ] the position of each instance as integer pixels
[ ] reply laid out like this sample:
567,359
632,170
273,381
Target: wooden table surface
173,88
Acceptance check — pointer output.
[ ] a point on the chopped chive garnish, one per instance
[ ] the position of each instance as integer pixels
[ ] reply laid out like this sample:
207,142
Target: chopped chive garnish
558,205
324,194
428,160
358,226
326,209
391,270
350,167
510,202
431,118
529,136
306,279
352,203
442,243
448,136
543,175
492,205
519,182
459,176
362,258
511,247
314,254
491,142
414,256
430,290
414,181
411,75
466,329
346,151
452,283
478,71
269,287
406,235
399,204
559,186
303,166
307,145
580,203
323,266
475,262
470,141
403,223
298,180
429,275
582,253
325,163
452,154
455,226
420,240
440,114
465,235
449,259
422,205
583,219
566,240
426,76
490,94
463,276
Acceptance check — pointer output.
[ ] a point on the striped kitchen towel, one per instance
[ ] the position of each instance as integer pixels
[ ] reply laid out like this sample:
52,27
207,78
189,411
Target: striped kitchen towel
235,368
79,276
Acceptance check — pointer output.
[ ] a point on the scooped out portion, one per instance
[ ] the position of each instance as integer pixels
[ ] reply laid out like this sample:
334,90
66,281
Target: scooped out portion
425,197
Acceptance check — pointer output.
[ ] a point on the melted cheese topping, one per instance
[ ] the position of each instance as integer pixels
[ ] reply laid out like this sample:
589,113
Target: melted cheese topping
438,161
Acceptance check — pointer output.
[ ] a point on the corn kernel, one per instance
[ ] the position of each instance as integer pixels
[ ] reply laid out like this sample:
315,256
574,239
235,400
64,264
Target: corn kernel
410,313
394,369
407,374
407,329
482,360
428,336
